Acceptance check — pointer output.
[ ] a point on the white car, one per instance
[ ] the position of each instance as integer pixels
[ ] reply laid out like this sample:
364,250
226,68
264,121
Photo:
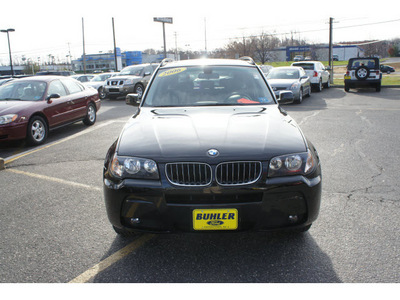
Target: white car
98,82
318,73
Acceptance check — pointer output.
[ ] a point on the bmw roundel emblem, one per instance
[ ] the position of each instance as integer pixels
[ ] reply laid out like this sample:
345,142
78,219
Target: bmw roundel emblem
213,152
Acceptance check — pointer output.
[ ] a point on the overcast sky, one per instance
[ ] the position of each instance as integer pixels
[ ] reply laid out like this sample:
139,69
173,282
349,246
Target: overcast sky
44,27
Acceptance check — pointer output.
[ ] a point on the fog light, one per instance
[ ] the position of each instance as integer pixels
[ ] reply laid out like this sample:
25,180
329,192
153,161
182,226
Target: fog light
135,220
293,218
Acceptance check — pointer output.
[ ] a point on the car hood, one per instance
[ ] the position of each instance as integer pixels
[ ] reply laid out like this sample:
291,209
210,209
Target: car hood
12,106
281,82
95,84
180,134
123,77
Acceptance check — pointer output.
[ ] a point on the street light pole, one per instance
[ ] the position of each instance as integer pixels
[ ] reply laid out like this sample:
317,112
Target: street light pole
9,47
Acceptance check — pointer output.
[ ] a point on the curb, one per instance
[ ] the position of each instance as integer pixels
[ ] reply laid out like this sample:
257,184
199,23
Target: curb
383,86
2,164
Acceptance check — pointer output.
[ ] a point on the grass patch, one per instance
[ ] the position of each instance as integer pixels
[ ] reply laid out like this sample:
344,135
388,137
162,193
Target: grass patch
386,80
288,63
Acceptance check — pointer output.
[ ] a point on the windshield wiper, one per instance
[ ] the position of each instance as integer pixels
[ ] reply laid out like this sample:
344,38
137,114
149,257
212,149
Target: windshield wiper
11,99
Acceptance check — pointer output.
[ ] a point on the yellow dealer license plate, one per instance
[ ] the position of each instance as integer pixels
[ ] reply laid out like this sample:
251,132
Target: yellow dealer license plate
215,219
347,77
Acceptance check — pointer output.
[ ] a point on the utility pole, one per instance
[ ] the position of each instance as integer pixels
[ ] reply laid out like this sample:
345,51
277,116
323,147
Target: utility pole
163,21
115,47
205,36
176,46
330,48
84,55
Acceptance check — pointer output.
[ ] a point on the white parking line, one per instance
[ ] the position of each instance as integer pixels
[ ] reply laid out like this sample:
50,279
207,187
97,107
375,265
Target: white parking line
104,264
19,155
54,179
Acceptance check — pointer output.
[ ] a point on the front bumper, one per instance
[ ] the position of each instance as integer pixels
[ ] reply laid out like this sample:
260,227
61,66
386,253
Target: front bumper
118,91
157,206
13,131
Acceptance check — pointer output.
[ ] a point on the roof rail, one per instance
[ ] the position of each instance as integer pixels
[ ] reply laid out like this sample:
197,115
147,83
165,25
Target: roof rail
165,61
248,59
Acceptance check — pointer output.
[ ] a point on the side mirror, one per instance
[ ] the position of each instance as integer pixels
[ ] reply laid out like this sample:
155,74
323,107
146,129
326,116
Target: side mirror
147,74
304,77
52,96
328,68
132,99
285,97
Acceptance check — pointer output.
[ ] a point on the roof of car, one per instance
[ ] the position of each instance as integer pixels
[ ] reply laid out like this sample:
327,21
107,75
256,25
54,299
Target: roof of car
46,78
306,62
208,61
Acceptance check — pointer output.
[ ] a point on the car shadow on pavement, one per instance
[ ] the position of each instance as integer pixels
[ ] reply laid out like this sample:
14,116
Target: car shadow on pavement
224,258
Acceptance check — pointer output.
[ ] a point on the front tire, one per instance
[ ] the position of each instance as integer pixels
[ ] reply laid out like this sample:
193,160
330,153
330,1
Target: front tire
327,85
123,232
102,93
139,89
91,116
36,131
300,99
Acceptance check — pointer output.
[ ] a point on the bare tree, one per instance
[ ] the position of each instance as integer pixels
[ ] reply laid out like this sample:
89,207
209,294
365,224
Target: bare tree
264,44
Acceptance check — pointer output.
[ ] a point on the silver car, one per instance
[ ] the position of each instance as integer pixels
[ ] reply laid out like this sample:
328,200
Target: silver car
132,79
292,79
98,82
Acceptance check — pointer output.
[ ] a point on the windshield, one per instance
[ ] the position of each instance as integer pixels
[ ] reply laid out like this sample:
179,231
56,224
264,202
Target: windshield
101,77
131,71
23,90
284,74
208,85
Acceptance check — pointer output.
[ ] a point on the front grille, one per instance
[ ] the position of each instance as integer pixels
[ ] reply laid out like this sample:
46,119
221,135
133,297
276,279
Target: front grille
116,82
238,173
189,174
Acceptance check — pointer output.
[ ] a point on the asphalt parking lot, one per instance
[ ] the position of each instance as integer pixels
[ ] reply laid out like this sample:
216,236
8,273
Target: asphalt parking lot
55,228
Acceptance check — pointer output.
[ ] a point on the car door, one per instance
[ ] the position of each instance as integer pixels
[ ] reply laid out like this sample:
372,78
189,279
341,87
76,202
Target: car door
147,72
57,109
78,99
324,73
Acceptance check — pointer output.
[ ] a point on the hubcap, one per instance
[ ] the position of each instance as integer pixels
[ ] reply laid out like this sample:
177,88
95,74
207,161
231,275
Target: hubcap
91,114
139,91
38,131
362,73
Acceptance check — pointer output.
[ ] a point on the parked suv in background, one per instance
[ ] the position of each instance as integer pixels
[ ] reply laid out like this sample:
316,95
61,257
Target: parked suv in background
363,72
318,73
132,79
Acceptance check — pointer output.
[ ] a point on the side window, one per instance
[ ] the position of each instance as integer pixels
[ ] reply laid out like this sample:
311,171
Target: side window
72,86
56,87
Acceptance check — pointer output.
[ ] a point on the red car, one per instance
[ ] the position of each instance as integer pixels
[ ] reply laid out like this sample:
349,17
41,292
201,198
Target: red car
32,106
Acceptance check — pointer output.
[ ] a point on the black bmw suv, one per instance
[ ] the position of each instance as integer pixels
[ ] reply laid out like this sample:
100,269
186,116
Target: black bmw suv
210,149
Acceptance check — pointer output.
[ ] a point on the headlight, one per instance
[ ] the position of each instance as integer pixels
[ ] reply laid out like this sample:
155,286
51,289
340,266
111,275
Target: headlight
295,86
129,81
292,164
133,167
8,119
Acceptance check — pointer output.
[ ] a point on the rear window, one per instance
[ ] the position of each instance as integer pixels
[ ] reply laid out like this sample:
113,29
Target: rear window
369,63
305,66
